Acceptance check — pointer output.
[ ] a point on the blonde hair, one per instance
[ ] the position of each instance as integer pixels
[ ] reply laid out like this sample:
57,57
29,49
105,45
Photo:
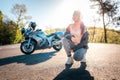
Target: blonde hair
77,13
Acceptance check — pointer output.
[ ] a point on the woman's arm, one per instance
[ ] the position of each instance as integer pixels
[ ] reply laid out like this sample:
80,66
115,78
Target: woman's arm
83,43
67,33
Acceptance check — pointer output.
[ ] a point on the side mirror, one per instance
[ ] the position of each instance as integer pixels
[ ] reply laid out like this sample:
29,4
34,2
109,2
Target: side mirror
23,30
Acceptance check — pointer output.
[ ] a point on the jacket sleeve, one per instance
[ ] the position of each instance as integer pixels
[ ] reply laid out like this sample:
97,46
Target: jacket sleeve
84,41
67,34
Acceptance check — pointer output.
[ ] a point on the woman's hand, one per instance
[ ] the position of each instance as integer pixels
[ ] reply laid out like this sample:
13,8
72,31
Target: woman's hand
68,36
73,40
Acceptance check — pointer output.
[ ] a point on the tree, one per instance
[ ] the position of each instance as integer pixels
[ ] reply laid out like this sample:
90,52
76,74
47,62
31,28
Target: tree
19,10
1,17
107,9
7,32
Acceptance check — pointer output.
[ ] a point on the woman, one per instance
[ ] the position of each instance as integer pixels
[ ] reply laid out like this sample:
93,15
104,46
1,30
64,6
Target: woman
76,40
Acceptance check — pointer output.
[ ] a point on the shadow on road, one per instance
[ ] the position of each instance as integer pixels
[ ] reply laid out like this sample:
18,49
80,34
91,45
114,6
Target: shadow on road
28,59
74,74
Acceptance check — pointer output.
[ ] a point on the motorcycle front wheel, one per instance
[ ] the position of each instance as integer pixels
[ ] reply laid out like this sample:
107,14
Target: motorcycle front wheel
27,49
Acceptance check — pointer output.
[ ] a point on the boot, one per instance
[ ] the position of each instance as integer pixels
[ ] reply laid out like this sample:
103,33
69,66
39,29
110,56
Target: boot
83,66
69,63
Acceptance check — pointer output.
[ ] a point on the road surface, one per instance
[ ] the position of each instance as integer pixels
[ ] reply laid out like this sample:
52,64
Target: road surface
103,63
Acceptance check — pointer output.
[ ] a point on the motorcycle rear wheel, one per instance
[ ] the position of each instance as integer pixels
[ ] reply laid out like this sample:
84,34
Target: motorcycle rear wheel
58,47
27,49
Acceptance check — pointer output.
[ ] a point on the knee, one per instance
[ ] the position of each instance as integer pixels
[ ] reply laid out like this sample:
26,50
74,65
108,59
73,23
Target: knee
77,57
79,54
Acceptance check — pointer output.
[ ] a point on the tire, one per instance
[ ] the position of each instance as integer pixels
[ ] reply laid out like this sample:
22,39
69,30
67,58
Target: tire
57,47
27,50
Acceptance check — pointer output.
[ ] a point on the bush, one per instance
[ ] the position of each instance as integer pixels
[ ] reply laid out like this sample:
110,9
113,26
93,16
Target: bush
112,35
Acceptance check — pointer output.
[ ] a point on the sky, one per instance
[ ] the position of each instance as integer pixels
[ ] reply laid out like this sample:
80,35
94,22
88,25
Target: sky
52,13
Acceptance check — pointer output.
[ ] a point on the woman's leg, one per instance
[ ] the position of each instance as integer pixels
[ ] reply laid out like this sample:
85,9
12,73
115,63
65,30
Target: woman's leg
67,44
80,55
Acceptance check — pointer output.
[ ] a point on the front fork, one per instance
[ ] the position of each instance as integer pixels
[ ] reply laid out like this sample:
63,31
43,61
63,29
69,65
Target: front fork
28,42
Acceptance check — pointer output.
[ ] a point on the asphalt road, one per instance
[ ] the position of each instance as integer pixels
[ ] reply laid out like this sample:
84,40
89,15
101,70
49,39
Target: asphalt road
103,63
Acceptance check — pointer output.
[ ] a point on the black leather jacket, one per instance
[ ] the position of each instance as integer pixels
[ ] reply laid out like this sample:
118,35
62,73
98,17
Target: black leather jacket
83,43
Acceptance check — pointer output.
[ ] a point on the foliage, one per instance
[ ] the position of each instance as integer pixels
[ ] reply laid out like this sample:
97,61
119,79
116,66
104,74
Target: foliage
18,37
49,31
10,30
1,17
112,35
19,11
106,8
7,32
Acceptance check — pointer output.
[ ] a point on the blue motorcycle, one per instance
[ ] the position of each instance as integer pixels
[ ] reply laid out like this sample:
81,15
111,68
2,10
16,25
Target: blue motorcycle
38,39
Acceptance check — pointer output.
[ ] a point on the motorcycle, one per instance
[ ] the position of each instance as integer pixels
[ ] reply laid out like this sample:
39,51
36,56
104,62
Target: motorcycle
38,39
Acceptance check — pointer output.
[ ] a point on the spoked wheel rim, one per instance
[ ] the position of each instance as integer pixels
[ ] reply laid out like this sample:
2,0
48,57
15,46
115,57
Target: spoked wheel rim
57,46
27,48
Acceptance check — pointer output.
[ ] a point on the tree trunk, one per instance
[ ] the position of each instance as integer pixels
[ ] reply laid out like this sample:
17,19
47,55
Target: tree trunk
105,35
93,34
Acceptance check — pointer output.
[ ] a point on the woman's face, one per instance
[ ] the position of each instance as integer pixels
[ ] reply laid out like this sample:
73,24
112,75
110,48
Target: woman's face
76,16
